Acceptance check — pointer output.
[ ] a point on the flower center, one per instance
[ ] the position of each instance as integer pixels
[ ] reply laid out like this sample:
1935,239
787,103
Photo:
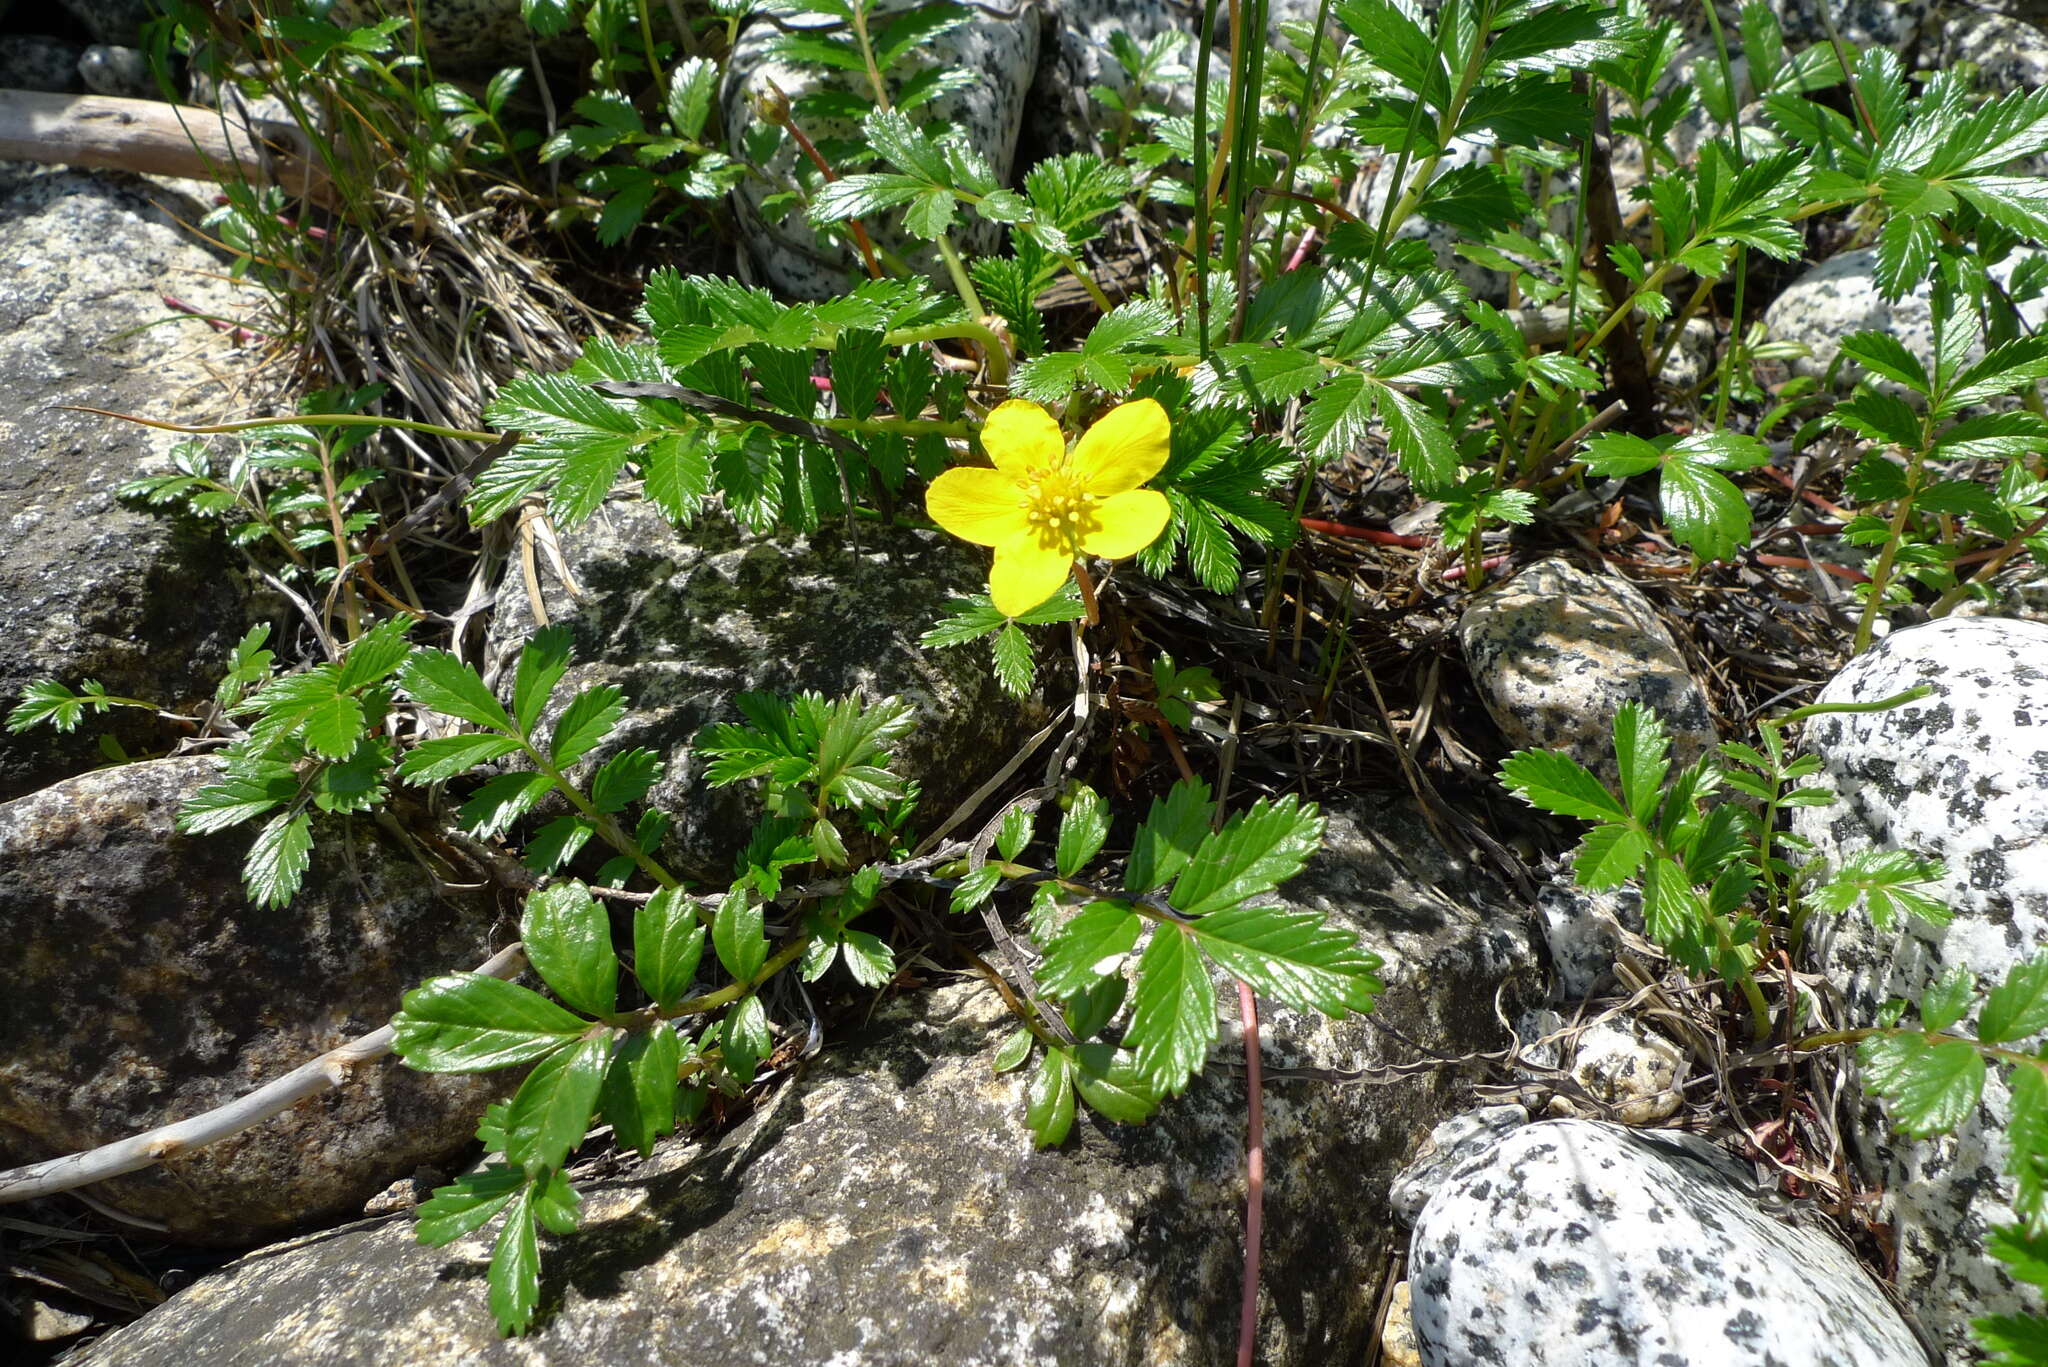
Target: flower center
1060,512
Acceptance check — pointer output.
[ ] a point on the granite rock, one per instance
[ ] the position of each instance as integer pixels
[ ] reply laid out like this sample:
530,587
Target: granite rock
1629,1069
32,61
1555,651
141,987
1579,1242
1450,1146
112,21
1075,56
886,1206
1962,776
1000,47
122,72
1584,931
1840,296
90,587
683,621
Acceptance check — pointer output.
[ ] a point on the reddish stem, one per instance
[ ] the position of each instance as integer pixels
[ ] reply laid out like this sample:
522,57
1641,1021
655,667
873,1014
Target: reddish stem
233,331
1795,562
1413,543
1809,495
1255,1175
1488,565
860,233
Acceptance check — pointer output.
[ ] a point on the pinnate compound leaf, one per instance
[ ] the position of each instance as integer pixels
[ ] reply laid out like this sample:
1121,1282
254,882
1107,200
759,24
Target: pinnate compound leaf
2012,1340
1292,956
474,1023
493,808
1931,1087
1557,783
438,680
624,779
551,1111
1173,1011
2027,1135
2017,1007
1609,856
1642,751
668,944
569,942
1255,852
1090,946
1082,830
1947,999
974,889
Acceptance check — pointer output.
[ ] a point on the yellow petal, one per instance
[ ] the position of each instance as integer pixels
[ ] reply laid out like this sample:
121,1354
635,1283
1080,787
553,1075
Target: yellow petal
978,505
1019,435
1125,448
1026,573
1126,523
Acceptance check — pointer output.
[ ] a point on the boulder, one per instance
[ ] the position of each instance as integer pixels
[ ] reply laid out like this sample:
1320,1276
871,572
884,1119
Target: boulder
112,21
1840,296
1075,57
141,987
1555,651
1583,1243
1962,776
31,61
887,1207
91,588
998,46
683,621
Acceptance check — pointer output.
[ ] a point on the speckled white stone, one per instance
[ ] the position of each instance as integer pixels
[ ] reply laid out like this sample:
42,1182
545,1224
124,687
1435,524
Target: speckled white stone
1840,296
1630,1068
1555,651
1581,1243
1962,776
1584,930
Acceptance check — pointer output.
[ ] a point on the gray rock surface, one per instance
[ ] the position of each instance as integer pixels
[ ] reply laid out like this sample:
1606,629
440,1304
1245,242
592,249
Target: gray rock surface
91,588
1576,1242
1840,296
1450,1146
31,61
1061,116
1630,1070
1555,651
112,21
140,987
472,37
682,621
1584,932
999,45
887,1208
119,71
1962,776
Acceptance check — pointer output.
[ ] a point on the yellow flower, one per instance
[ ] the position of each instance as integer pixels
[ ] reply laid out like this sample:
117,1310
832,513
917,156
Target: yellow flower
1043,507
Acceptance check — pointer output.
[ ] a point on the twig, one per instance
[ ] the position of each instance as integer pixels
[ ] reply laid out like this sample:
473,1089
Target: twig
133,1154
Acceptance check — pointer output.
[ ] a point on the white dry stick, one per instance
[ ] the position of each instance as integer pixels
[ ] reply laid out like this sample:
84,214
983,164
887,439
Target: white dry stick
325,1073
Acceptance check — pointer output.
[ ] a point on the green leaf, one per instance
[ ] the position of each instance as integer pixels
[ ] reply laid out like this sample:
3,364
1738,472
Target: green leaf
1419,440
974,889
692,83
1609,856
1293,956
857,361
1255,852
2017,1007
1015,832
2012,1340
569,943
467,1204
1049,1101
868,958
551,1111
587,720
515,1268
1707,513
1947,999
574,436
444,757
556,843
1174,829
677,468
745,1038
543,659
737,934
438,680
1642,752
1931,1087
638,1099
493,808
1110,1081
1090,946
1082,830
624,779
472,1023
1015,1050
1173,1010
1672,908
1884,354
668,943
375,655
2026,1134
277,862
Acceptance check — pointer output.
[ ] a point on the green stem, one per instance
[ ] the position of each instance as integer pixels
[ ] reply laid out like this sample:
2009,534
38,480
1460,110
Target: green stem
298,420
607,824
909,427
997,355
962,284
1881,573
